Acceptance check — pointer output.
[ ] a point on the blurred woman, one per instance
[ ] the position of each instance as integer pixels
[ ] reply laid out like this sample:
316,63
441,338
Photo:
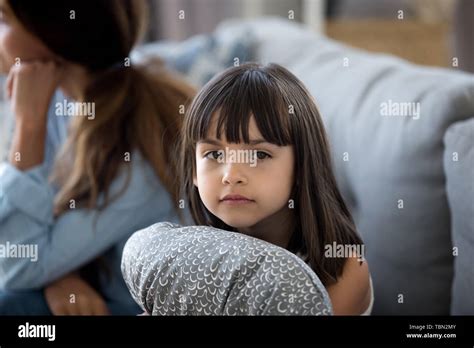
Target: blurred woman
83,177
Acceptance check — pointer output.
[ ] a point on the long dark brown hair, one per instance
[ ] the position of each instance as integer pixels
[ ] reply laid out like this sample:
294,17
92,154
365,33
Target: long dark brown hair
136,107
285,114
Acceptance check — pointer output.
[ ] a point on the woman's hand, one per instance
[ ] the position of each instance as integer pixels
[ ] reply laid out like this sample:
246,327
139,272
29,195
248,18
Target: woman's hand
71,295
30,87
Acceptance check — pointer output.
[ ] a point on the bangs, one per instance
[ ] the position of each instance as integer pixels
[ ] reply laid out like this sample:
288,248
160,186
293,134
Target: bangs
228,102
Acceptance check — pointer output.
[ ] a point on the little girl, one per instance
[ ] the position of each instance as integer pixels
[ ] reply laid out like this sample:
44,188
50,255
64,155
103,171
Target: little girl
255,159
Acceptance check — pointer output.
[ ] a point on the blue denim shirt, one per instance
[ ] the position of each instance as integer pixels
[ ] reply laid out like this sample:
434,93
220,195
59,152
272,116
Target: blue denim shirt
78,236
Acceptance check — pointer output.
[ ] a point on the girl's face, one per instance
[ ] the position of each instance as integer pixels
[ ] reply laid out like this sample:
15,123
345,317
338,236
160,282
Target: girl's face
17,42
242,184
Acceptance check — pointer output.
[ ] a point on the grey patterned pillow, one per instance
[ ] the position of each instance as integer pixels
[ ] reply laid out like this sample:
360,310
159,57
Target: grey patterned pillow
201,270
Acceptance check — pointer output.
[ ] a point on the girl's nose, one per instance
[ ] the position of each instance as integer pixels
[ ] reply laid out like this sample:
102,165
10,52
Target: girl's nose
233,175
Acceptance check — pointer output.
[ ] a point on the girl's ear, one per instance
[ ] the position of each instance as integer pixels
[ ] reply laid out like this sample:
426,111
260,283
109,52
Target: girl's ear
195,181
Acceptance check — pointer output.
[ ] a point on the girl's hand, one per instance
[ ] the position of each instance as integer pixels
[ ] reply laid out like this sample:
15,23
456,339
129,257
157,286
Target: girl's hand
30,87
86,300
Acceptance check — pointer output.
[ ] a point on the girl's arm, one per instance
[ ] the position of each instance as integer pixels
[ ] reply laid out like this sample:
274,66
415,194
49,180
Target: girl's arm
351,294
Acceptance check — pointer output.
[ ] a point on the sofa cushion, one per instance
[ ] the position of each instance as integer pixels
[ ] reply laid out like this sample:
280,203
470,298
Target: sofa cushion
201,270
200,57
459,168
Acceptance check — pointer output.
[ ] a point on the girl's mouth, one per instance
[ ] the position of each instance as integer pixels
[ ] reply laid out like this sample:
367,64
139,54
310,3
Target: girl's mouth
236,200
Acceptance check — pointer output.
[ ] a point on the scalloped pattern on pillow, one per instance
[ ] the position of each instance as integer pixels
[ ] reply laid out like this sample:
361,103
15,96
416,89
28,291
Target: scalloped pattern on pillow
201,270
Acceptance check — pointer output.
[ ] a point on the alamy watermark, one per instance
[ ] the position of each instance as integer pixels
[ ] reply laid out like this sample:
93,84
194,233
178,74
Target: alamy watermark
400,109
238,156
70,109
24,251
28,330
345,251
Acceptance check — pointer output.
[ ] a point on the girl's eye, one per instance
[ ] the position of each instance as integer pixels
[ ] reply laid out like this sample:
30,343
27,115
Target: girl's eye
213,155
262,155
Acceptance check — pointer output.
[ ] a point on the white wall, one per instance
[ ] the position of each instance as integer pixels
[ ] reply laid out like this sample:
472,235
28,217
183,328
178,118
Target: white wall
203,16
310,12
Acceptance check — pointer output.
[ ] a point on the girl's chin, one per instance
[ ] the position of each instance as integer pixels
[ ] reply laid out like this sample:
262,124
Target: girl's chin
237,224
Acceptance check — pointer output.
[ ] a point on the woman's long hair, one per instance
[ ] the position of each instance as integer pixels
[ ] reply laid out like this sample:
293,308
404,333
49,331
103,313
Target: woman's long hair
136,107
285,114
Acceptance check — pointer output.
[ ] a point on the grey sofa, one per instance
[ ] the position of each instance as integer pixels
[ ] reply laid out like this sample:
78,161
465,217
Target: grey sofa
402,139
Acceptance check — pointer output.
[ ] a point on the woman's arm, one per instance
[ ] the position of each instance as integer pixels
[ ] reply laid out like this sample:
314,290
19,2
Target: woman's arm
30,86
27,148
76,237
71,295
58,246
